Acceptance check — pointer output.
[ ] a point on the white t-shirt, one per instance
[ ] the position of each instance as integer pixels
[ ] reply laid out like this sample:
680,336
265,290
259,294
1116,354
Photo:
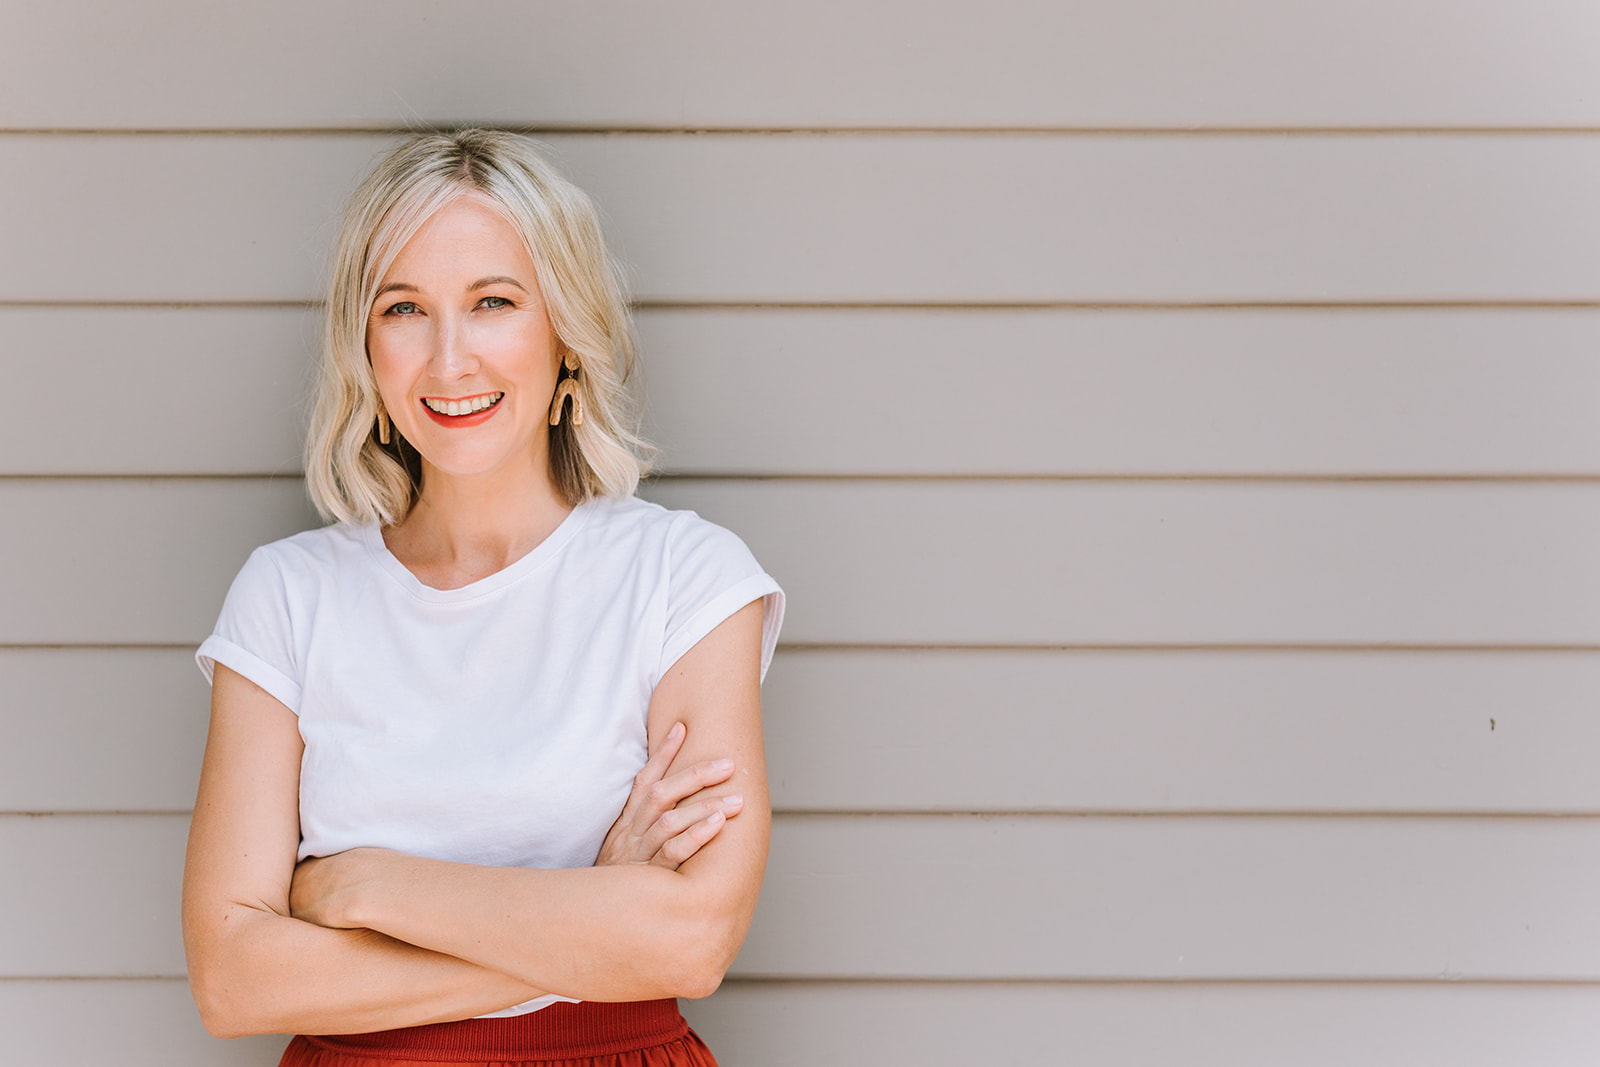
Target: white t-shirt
500,723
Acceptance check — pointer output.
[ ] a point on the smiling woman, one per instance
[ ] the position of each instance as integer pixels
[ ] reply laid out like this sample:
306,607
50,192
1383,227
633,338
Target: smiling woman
485,778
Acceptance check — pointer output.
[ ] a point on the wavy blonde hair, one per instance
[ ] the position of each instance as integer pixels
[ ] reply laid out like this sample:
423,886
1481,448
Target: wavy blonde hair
350,475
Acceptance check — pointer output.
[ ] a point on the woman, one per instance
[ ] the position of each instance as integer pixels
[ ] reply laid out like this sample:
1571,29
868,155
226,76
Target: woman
426,717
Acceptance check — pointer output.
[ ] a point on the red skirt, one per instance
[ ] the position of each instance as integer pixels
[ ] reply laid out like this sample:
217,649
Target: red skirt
645,1033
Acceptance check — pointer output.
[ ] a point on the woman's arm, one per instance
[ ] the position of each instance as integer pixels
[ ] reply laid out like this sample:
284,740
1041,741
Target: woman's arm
602,933
252,967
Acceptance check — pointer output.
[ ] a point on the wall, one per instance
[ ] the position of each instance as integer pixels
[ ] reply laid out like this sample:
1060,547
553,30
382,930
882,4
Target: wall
1173,424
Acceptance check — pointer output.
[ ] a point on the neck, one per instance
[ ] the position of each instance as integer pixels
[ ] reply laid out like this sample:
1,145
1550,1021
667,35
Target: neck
465,528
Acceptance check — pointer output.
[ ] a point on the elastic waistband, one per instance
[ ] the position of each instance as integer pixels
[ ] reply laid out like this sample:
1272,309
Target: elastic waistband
560,1031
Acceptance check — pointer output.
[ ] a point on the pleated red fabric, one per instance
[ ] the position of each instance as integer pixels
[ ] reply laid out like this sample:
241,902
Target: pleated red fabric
646,1033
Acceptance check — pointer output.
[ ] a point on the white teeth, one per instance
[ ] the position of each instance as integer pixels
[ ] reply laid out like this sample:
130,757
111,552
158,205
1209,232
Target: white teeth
463,407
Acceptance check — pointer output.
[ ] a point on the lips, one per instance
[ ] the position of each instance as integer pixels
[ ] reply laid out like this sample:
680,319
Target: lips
470,405
462,412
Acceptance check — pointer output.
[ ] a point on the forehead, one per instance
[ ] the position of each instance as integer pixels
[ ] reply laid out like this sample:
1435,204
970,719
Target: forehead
469,234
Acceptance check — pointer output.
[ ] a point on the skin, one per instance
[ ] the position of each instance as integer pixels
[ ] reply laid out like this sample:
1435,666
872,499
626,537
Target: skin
374,939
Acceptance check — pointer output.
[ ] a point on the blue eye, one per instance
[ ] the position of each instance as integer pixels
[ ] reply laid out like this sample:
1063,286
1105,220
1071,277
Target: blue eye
495,302
405,307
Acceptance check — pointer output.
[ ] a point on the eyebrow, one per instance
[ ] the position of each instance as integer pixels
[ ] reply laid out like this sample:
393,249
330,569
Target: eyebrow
498,279
481,283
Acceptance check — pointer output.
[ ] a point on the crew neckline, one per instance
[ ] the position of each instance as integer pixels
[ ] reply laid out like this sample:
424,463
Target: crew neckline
535,559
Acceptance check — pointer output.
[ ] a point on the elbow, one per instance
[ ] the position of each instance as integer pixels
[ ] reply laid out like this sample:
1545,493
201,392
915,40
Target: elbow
222,1014
712,944
222,992
699,976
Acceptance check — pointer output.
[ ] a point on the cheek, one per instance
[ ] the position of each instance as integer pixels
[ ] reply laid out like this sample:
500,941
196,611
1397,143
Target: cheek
391,361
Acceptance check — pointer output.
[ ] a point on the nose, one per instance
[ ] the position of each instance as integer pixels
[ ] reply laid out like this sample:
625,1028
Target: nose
452,349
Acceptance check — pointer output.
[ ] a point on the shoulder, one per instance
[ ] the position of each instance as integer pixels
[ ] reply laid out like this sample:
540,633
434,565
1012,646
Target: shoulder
682,538
311,552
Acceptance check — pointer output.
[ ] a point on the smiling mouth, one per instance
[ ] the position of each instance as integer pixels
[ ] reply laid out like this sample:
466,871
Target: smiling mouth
467,406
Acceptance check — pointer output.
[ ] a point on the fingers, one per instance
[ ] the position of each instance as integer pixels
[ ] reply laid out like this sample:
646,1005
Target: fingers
672,790
678,848
660,759
676,821
653,769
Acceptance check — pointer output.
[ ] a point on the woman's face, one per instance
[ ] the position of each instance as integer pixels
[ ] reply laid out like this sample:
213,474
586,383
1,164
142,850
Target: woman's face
463,352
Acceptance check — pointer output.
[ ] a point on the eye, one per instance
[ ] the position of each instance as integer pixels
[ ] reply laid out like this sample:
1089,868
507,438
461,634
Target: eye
494,302
404,307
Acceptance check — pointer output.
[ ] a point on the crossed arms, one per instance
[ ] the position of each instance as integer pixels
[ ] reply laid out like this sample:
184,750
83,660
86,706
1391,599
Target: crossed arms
372,939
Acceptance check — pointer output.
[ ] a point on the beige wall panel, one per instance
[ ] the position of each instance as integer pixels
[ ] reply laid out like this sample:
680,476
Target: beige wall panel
142,1023
158,390
1010,563
173,218
1038,897
1152,897
101,729
153,1024
836,391
124,561
1151,62
123,729
1183,731
788,1024
101,893
920,218
1038,563
884,391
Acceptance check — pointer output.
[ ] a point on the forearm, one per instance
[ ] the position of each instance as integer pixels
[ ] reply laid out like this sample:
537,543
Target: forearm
601,933
254,971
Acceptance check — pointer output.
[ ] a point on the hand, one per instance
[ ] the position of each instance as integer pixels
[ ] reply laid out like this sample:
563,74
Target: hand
324,888
653,828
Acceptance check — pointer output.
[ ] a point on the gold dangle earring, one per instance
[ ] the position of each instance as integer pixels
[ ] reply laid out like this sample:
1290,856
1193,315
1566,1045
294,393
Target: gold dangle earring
383,426
568,386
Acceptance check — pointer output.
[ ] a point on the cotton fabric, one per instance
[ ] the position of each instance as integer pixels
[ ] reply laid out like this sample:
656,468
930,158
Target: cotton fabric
500,723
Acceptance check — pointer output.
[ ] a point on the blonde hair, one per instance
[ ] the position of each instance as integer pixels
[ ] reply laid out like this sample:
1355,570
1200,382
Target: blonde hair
351,476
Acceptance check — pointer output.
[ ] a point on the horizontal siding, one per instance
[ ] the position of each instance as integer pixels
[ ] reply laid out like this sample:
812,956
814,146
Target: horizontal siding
920,1025
918,218
861,730
103,729
827,64
798,1024
836,391
1039,897
933,563
174,391
132,562
1063,564
94,729
148,1023
106,905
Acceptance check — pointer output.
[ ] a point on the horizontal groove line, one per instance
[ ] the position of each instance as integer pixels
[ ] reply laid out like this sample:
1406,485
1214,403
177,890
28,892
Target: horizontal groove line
868,647
94,978
907,305
857,981
1152,814
813,478
1111,305
102,646
1038,814
1426,981
167,305
1186,646
1310,478
1004,981
645,129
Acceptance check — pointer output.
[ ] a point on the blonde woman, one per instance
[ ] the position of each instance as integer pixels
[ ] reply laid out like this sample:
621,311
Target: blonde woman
427,716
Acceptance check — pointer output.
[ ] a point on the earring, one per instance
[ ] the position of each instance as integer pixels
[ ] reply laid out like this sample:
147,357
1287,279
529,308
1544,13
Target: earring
383,427
568,387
